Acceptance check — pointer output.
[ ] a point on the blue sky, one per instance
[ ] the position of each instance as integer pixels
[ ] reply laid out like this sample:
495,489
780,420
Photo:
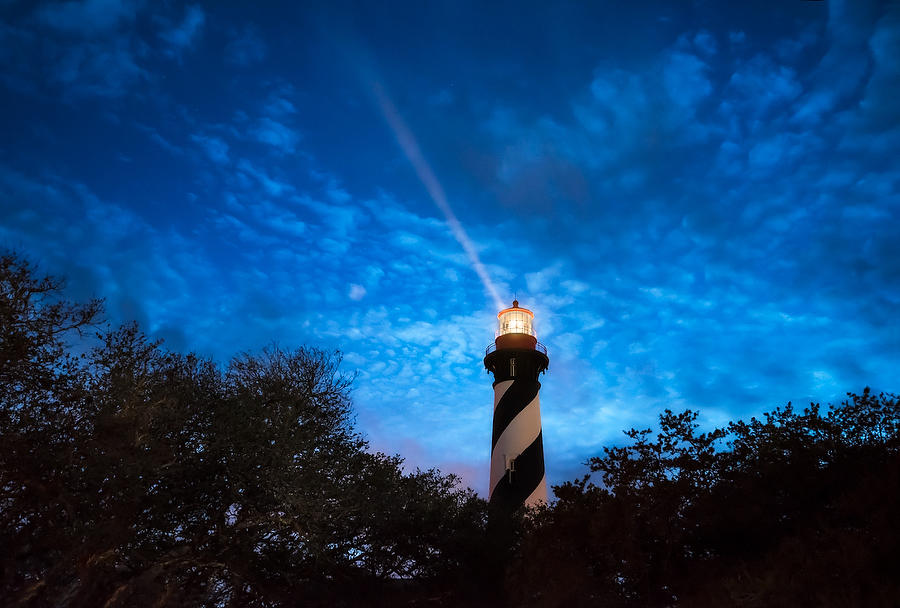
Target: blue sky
698,200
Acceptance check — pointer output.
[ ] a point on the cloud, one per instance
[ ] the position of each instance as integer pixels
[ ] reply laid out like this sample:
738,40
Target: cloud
215,148
685,79
357,292
276,134
77,49
182,36
159,140
878,106
842,69
147,279
621,127
705,43
273,186
760,85
279,106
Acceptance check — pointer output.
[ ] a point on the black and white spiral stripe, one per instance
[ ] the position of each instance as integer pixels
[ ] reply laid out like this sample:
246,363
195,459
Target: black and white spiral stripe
517,450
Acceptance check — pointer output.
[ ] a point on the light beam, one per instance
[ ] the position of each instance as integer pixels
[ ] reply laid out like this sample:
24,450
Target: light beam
411,149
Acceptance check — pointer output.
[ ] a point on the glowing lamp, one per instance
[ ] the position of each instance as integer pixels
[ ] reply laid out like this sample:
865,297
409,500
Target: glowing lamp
515,328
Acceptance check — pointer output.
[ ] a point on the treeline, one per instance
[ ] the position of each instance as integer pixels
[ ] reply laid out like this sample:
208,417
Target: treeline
796,509
134,476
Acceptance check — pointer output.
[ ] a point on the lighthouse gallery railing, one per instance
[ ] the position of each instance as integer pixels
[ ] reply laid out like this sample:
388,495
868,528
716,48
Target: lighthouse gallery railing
493,346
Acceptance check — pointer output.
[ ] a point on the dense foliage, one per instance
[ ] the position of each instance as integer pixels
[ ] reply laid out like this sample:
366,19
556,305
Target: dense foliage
131,476
134,476
798,509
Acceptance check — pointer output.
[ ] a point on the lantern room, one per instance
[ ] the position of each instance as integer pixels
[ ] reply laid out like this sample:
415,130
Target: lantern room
515,328
515,320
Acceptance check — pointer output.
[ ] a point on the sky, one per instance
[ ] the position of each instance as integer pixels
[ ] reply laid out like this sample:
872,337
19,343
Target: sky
700,201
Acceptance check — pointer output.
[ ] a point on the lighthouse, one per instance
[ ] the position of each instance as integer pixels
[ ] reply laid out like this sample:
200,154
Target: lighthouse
516,359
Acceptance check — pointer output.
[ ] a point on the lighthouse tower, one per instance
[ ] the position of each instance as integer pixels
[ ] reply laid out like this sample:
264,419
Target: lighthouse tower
516,359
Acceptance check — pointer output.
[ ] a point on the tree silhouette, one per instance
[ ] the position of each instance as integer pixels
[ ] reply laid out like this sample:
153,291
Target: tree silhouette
135,476
795,509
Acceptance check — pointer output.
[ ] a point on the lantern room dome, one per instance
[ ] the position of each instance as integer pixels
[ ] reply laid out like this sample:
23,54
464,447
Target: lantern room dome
515,320
515,328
